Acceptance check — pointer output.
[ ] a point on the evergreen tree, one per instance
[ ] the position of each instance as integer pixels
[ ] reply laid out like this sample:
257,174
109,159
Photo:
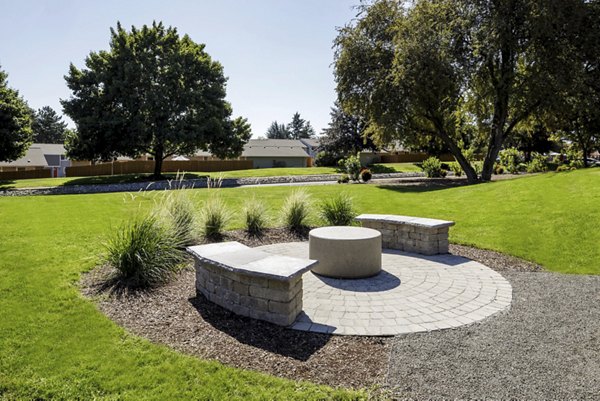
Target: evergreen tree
15,122
345,136
153,92
278,131
48,126
300,128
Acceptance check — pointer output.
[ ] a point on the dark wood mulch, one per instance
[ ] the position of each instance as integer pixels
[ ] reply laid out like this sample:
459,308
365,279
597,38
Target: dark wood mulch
174,315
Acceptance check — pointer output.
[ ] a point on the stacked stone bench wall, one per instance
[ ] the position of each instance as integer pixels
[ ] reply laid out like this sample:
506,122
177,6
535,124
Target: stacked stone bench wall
278,302
410,234
250,282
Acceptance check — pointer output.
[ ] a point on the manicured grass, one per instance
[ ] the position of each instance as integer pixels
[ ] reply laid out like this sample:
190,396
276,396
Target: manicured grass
262,172
55,344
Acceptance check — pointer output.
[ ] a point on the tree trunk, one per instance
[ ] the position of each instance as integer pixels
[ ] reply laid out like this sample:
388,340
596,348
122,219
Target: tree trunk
158,161
460,158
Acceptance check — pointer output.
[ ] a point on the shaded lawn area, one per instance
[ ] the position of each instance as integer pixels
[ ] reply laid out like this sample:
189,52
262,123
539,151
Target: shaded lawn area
263,172
55,344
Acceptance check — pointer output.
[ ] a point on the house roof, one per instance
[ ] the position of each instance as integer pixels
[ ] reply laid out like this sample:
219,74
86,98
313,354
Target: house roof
274,151
312,142
35,155
275,143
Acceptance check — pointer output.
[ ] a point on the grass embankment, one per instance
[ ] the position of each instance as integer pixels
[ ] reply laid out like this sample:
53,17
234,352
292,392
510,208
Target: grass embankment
261,172
55,344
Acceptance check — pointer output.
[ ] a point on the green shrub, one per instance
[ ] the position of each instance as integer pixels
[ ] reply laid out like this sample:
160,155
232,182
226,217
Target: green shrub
351,165
365,175
433,168
179,211
537,164
295,210
255,217
456,169
214,217
344,179
338,211
511,158
326,159
146,252
564,167
498,169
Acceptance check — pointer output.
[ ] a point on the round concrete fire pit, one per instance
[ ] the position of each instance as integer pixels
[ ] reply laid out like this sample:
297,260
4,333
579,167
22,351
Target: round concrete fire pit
345,252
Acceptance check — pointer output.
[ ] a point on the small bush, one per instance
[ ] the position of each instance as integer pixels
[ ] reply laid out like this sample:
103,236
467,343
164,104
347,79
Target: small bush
295,210
433,168
146,252
351,165
498,169
537,164
564,167
179,211
214,217
255,217
344,179
326,159
511,158
365,175
456,169
338,211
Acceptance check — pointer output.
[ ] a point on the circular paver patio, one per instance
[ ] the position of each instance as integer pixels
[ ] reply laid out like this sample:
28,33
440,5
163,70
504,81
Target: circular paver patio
413,293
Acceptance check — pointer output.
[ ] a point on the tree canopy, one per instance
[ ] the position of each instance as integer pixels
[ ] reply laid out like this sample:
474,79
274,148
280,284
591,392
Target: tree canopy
153,92
345,135
465,72
15,122
48,126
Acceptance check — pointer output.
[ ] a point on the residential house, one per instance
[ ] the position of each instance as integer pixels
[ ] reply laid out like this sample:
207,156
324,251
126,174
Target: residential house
41,156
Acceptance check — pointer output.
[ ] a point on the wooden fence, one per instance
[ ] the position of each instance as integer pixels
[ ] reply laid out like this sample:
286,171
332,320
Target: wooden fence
147,166
413,158
25,174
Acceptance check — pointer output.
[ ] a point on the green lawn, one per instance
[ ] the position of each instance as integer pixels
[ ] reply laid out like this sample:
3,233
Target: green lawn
55,344
263,172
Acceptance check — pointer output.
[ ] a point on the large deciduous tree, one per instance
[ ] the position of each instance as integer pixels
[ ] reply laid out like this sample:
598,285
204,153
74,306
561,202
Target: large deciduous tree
153,92
15,122
48,126
450,68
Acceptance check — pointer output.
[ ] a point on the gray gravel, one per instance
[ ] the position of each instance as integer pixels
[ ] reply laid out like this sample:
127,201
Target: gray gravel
547,346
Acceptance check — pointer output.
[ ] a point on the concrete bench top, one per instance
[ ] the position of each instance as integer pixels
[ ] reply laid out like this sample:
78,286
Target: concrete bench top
239,258
344,233
416,221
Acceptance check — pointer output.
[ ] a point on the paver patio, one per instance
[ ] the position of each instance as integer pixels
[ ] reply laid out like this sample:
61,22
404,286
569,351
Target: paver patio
413,293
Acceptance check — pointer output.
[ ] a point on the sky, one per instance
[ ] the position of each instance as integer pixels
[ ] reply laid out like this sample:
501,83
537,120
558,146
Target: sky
277,54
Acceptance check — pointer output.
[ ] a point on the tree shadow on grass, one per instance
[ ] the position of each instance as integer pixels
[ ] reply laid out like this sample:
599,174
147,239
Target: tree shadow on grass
424,185
299,345
7,184
130,178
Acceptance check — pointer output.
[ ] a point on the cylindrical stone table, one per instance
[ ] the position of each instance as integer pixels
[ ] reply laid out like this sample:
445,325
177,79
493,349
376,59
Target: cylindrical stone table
345,252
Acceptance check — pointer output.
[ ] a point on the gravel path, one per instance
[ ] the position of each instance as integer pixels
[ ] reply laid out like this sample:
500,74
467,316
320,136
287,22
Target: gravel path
546,347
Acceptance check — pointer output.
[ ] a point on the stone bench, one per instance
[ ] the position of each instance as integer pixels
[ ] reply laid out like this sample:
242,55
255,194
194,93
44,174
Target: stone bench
410,234
250,282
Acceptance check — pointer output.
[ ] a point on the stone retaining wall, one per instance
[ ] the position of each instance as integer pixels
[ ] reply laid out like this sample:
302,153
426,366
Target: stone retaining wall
274,301
410,234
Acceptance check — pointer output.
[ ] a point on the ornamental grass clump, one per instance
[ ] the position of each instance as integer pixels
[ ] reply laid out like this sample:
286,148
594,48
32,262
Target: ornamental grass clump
255,217
214,218
179,211
296,210
145,252
338,211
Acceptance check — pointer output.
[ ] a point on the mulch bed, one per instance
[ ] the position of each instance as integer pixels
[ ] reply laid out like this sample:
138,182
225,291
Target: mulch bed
174,315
